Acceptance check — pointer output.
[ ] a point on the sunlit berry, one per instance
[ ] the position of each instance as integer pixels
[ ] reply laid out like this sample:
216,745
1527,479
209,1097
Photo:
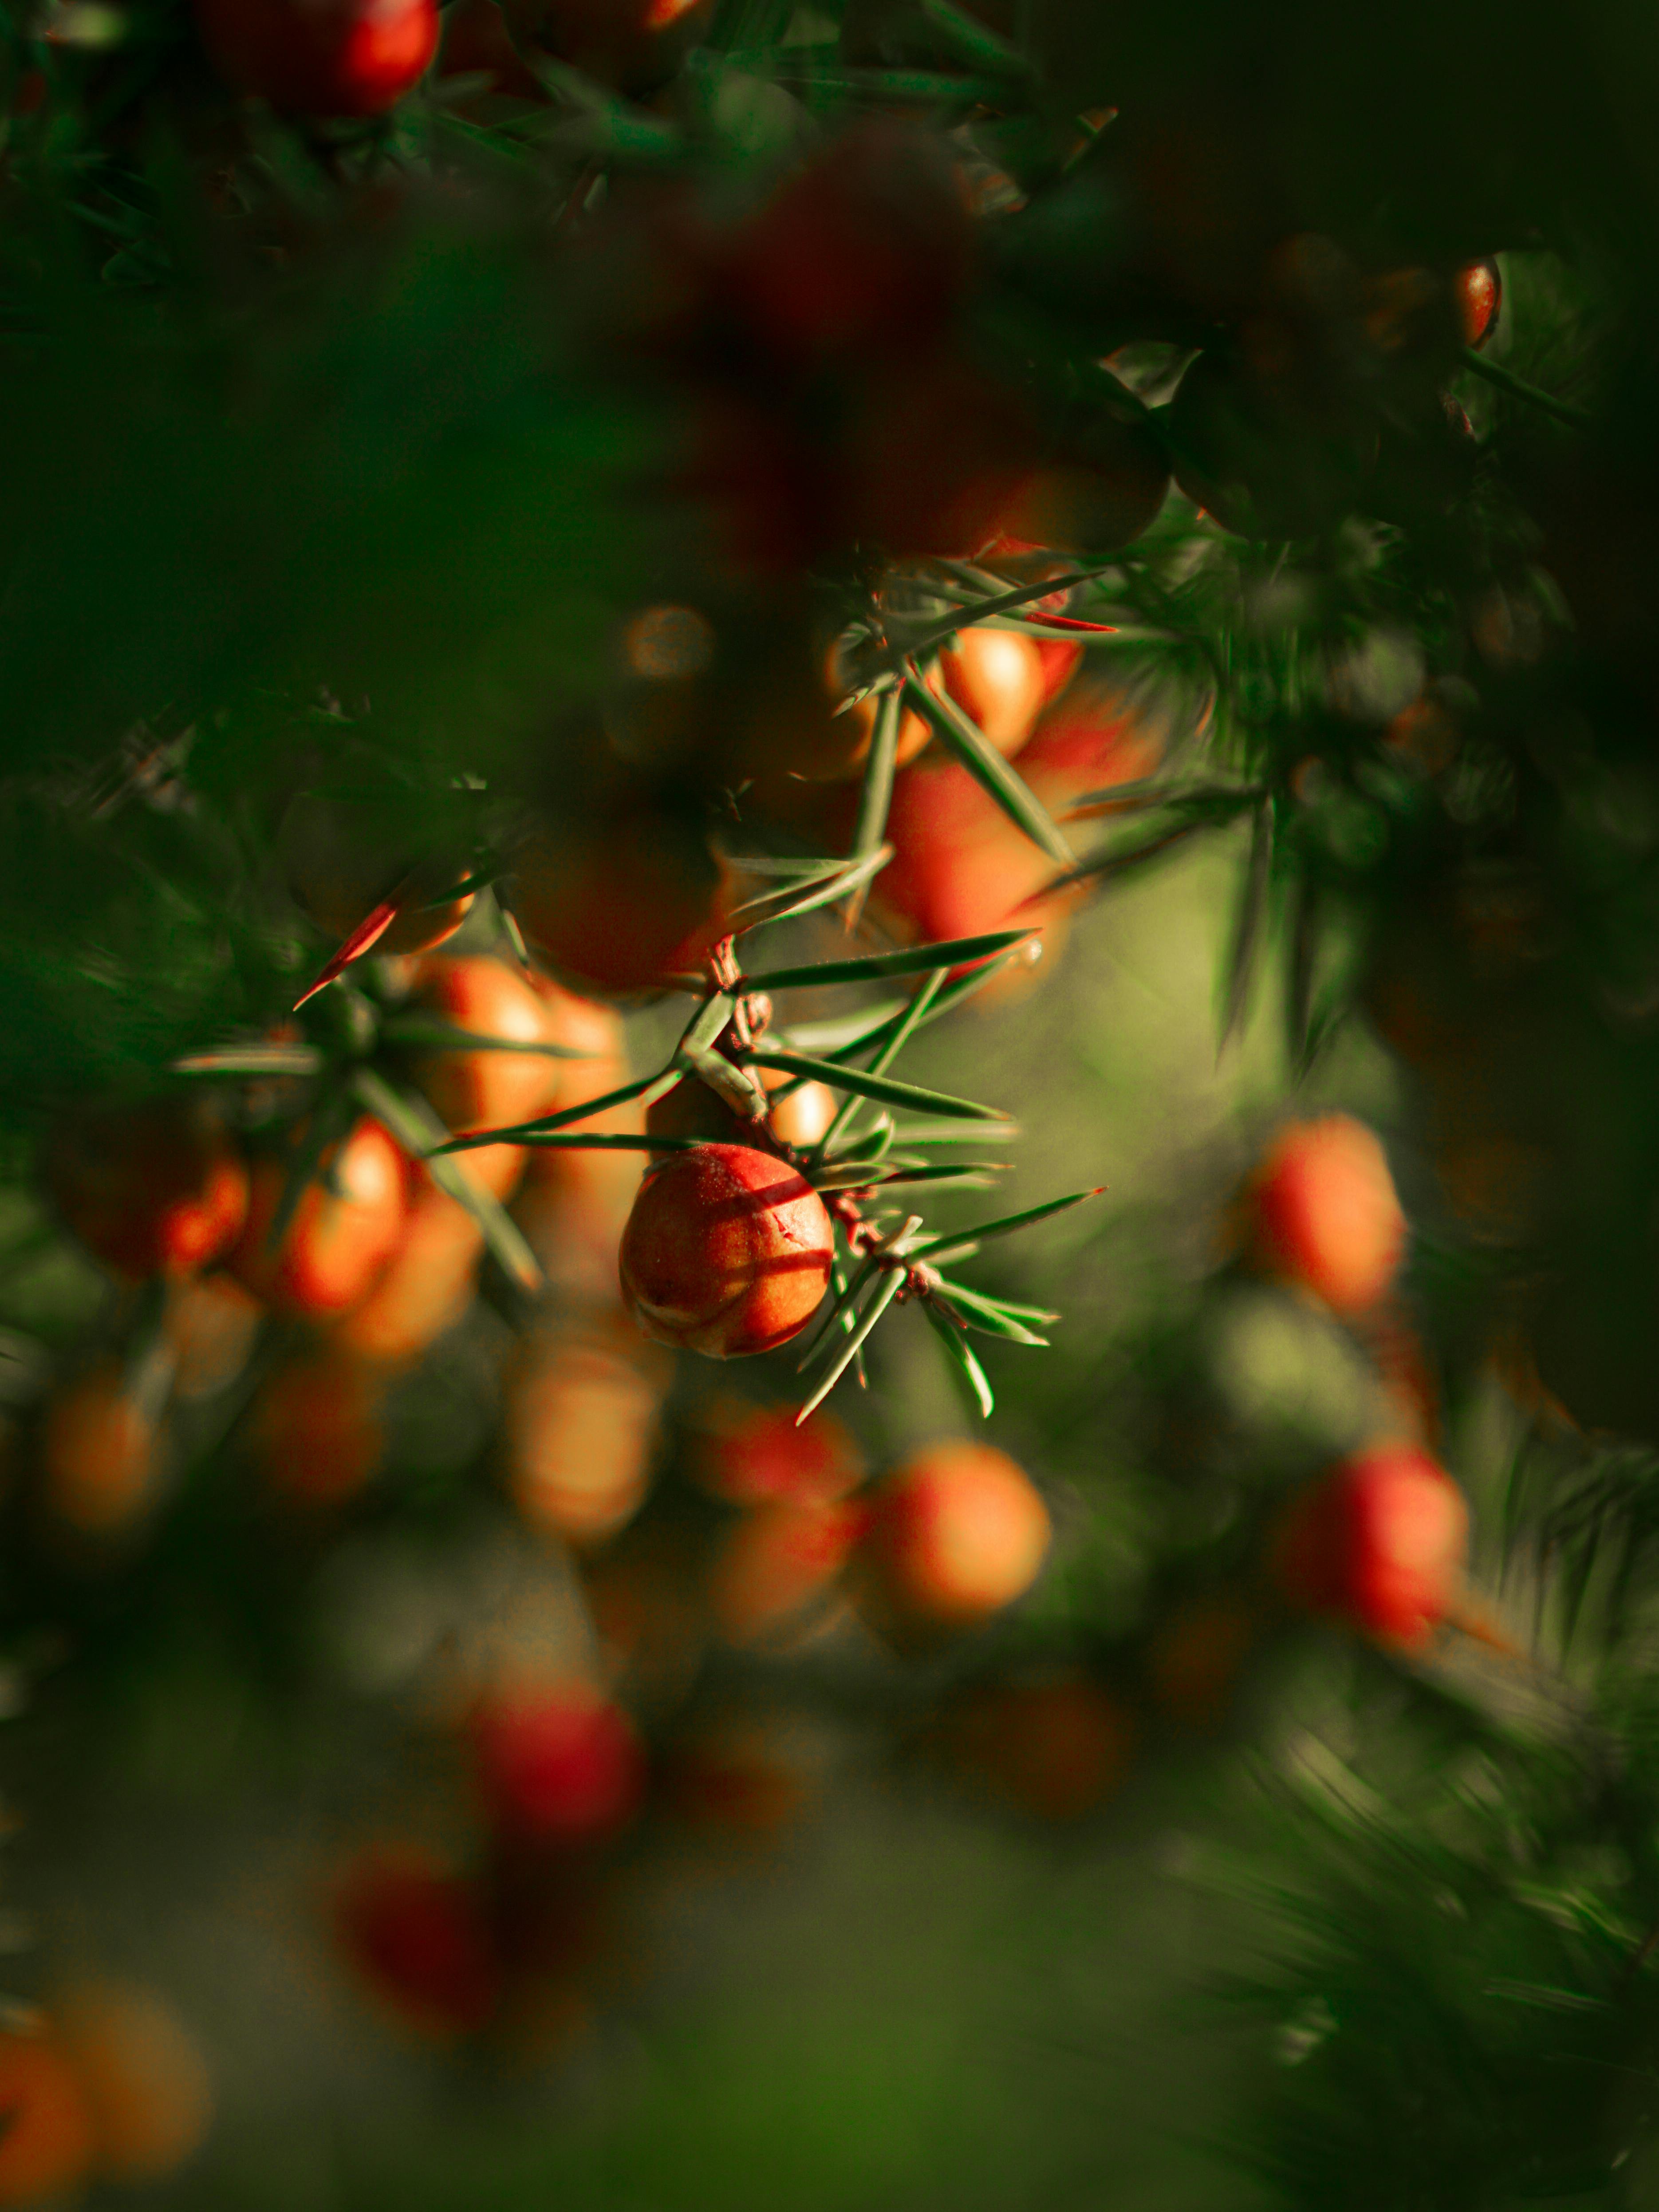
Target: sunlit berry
323,57
727,1251
341,1234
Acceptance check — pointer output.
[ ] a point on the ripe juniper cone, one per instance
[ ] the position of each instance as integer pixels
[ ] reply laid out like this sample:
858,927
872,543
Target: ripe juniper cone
727,1251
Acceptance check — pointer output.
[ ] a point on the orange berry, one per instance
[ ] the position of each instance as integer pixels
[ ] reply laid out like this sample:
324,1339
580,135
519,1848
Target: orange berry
776,1560
331,58
692,1109
428,1284
1326,1212
345,1229
726,1252
484,1089
417,1933
157,1189
560,1765
1379,1541
955,1532
996,676
48,2136
144,2076
99,1460
580,1429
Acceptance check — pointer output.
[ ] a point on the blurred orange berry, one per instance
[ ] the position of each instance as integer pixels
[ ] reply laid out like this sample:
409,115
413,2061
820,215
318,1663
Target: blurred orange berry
955,1532
144,2076
1326,1214
345,1228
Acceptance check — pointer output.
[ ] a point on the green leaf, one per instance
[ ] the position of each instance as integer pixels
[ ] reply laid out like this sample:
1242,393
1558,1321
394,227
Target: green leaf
1505,381
962,1356
885,1088
416,1126
870,967
902,1030
1247,928
252,1060
947,1132
579,1140
936,1249
882,1174
361,941
975,44
783,905
1122,861
846,1032
707,1025
973,1311
648,1087
735,1087
887,1290
848,1294
987,766
876,793
419,1030
970,611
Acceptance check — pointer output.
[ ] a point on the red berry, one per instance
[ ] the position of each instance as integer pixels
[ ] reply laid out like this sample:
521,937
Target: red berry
757,1456
417,1934
558,1765
727,1251
346,1227
1477,291
329,57
623,903
1327,1215
955,1533
1379,1541
158,1190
